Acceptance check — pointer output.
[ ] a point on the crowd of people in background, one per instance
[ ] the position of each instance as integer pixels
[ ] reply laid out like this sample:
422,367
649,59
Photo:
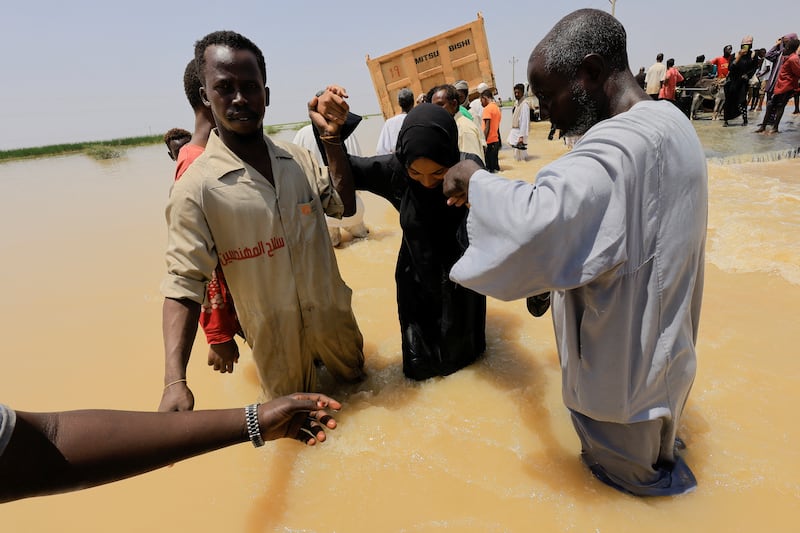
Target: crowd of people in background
742,82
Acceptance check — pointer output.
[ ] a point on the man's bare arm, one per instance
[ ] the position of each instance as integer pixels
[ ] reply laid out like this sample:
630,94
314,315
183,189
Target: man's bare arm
179,325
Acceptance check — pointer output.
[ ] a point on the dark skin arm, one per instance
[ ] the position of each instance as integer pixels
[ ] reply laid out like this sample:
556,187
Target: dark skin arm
328,113
456,182
179,326
58,452
223,356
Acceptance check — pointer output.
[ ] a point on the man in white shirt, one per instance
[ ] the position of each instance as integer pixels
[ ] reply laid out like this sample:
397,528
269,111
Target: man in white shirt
654,77
388,137
520,124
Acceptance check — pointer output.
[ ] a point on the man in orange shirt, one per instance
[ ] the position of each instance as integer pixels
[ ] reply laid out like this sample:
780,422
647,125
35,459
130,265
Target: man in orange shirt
491,129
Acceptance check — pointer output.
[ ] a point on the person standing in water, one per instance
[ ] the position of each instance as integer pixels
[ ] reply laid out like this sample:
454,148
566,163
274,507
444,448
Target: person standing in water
616,229
294,307
442,324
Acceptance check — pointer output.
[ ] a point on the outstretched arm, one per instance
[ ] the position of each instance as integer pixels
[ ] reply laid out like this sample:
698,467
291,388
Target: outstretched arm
58,452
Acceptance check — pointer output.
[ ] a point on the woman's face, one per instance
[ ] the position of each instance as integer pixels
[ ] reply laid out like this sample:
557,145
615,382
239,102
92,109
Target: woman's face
427,172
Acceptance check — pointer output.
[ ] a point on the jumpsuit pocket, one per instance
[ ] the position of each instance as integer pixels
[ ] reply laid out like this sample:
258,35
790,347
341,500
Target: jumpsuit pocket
309,214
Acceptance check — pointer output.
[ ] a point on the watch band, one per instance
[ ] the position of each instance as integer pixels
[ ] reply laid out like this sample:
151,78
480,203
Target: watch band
253,428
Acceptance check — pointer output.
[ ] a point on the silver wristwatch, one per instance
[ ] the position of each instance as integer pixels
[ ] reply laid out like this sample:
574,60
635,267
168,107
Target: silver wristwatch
253,428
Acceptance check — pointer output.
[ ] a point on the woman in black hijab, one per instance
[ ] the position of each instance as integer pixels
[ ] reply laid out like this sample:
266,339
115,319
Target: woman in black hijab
740,70
442,324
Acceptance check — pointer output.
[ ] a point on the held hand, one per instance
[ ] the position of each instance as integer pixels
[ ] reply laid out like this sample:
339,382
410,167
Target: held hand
177,397
328,111
301,416
223,356
456,182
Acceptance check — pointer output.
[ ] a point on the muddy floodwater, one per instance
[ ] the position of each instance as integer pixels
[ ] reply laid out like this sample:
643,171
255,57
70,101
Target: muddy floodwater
488,449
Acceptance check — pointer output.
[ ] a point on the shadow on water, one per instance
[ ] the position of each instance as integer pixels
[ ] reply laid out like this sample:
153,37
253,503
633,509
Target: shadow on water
516,364
519,365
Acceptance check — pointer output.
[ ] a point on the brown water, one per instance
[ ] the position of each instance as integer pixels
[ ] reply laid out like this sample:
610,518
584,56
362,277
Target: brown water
490,448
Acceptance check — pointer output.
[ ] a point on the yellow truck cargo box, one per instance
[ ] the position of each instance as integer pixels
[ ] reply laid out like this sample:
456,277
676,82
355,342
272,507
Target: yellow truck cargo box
458,54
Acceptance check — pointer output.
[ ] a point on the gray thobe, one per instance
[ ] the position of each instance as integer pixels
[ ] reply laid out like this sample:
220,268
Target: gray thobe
616,230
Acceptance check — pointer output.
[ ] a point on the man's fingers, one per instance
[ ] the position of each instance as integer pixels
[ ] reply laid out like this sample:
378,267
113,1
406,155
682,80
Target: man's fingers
337,90
327,421
311,432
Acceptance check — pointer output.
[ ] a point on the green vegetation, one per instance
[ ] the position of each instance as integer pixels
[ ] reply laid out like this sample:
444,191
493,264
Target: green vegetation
272,129
115,147
101,152
96,149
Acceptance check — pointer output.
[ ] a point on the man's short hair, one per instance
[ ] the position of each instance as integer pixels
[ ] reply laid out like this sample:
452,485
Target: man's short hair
450,91
520,86
231,39
670,62
660,57
579,34
488,94
191,85
405,97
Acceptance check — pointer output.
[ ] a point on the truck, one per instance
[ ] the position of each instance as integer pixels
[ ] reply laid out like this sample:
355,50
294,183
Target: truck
458,54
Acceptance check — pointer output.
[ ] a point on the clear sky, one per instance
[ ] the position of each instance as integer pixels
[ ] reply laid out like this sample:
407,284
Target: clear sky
87,70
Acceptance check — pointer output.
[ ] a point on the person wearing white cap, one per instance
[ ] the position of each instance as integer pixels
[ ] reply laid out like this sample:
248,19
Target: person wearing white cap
476,108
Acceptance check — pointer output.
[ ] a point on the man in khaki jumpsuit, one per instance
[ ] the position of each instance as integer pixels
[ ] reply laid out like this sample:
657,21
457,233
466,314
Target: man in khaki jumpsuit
257,207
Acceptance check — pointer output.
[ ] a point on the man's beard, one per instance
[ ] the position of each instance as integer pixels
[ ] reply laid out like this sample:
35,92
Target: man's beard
589,112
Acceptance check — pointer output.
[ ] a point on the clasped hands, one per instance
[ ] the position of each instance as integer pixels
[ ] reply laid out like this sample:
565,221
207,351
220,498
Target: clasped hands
328,110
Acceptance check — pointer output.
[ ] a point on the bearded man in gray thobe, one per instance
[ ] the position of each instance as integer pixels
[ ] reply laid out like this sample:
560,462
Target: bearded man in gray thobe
616,230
